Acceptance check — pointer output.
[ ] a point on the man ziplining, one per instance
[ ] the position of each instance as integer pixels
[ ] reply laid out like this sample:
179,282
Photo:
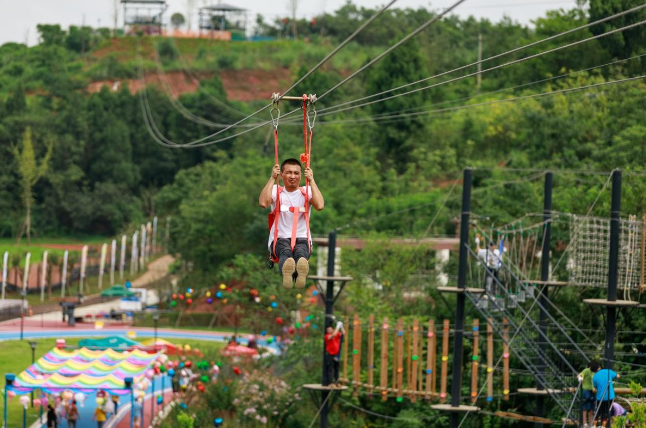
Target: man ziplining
290,243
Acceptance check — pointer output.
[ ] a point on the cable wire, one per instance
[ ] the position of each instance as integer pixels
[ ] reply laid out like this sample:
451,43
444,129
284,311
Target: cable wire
393,47
498,56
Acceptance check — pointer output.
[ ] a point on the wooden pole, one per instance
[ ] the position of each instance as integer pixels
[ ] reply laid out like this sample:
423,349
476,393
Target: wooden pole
383,368
345,355
371,353
356,354
642,284
407,357
414,357
445,361
400,359
489,360
430,360
475,360
505,360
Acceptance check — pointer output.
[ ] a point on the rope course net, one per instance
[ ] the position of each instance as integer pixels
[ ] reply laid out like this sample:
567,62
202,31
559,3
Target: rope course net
588,260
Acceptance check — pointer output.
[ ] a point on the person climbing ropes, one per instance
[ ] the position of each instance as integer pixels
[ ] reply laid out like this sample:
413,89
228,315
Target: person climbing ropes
492,257
333,352
603,383
289,236
587,392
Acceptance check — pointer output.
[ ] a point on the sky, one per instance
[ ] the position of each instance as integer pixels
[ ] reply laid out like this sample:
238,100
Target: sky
18,19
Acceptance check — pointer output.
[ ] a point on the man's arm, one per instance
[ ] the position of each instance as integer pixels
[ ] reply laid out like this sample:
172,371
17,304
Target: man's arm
317,200
265,199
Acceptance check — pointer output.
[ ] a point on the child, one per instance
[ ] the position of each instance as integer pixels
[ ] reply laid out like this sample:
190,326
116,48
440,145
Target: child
585,377
72,415
52,419
99,417
617,410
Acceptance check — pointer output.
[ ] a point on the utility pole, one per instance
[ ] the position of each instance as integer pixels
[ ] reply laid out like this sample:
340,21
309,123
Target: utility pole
479,77
545,276
115,16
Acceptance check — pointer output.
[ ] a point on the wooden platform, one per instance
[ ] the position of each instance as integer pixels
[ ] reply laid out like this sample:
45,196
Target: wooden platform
458,409
319,387
461,290
518,417
616,303
536,391
330,278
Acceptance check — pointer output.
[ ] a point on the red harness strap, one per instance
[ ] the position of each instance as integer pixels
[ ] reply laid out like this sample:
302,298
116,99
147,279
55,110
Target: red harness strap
274,215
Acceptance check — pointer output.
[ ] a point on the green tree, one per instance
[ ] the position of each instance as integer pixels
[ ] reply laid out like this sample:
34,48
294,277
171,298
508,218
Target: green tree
177,20
402,66
51,34
625,43
30,172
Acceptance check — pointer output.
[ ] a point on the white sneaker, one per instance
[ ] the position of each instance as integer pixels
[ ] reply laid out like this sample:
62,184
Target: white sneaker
302,268
288,272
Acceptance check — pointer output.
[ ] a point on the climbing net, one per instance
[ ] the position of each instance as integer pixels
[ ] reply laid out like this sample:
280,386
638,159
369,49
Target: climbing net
589,251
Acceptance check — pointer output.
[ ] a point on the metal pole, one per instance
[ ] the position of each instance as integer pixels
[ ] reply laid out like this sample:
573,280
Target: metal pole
456,384
545,276
6,388
22,313
132,407
613,264
329,311
152,401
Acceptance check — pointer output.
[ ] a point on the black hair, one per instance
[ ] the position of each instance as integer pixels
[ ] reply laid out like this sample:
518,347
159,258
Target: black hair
290,161
491,243
594,366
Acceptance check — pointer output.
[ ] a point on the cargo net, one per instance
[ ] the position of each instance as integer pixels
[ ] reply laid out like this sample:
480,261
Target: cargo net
589,248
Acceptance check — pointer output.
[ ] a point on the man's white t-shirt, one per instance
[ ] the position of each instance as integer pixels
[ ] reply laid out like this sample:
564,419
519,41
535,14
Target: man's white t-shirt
493,259
285,219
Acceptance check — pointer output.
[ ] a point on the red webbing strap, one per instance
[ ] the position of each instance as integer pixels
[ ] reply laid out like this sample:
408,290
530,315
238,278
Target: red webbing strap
277,206
296,211
306,155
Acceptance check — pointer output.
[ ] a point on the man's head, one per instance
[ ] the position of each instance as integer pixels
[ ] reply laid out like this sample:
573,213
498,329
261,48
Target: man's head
329,330
491,245
290,171
594,366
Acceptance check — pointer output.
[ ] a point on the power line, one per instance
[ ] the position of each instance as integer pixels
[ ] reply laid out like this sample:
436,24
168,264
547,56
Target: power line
335,108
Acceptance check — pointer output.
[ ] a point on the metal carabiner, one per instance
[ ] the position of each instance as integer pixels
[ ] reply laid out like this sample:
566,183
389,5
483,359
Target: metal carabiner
312,103
275,111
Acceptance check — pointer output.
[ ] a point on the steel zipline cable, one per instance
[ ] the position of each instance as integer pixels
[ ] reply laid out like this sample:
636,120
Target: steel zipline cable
395,117
419,109
159,138
336,109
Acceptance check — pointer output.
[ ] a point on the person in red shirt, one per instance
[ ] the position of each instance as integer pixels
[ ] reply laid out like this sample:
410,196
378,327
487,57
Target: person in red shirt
333,352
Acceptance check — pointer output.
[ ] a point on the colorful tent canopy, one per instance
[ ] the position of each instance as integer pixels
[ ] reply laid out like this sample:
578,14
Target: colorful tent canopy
85,370
108,342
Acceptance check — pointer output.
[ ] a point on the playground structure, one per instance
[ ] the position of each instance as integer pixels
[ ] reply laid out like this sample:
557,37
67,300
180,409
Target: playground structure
512,295
413,350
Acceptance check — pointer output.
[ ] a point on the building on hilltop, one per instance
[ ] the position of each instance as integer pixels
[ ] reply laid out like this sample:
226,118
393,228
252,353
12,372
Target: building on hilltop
145,16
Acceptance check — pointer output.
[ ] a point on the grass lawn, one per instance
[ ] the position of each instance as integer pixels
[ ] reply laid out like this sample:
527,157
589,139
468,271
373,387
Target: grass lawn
15,356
